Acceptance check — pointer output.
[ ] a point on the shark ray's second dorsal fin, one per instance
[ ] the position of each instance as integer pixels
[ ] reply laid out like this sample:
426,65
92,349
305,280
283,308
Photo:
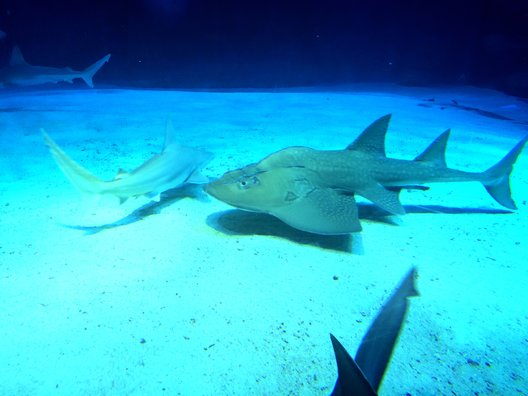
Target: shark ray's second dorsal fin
17,58
435,152
372,139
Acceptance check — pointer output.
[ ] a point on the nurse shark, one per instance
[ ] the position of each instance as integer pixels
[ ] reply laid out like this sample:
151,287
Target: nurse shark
314,190
173,166
21,73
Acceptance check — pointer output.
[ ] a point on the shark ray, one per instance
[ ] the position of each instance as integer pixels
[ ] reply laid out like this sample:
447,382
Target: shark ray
314,190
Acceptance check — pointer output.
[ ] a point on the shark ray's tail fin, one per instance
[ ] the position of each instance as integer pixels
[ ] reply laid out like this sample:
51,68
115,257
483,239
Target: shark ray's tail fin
496,179
88,73
79,176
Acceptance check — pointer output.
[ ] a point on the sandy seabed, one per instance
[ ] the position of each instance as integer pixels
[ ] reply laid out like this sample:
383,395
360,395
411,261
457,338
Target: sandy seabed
190,296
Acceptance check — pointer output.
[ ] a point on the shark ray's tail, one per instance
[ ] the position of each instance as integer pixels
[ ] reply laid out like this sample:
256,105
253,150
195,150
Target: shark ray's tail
79,176
88,73
497,178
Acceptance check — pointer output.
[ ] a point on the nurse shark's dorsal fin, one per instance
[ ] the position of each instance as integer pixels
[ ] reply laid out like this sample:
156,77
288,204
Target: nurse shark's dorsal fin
170,141
121,173
17,59
434,154
372,139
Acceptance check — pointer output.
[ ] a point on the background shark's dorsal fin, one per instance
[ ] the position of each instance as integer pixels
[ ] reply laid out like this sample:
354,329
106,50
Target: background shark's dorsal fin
17,58
435,152
372,139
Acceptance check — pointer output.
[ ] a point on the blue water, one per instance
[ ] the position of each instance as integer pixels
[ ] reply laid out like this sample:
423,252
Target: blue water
192,296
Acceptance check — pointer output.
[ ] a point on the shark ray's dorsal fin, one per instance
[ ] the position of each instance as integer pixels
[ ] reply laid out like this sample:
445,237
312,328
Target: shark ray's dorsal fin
434,154
372,139
17,59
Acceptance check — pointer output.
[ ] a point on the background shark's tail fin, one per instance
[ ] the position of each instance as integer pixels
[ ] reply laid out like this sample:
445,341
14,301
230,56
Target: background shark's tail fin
79,176
497,178
88,73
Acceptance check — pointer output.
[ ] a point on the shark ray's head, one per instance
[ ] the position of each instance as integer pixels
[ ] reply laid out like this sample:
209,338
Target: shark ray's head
251,189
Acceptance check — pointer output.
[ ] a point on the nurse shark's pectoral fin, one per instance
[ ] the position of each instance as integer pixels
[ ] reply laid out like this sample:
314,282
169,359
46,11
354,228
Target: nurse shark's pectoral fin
321,211
197,178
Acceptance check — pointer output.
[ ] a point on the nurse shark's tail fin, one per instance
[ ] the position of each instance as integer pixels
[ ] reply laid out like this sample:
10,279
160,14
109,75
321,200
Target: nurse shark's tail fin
79,176
88,73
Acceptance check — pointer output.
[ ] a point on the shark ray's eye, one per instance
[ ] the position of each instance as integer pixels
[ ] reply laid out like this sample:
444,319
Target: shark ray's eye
248,182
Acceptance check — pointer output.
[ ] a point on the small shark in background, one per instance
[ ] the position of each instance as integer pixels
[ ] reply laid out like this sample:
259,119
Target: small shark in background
313,190
174,166
362,376
3,35
21,73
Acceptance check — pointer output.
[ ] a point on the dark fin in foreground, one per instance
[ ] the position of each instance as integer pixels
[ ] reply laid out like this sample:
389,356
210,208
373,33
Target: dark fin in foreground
372,139
377,345
17,59
363,375
497,178
434,154
351,380
322,211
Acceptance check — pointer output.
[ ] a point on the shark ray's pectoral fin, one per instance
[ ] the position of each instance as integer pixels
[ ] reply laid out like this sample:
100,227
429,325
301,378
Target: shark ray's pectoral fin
321,211
386,199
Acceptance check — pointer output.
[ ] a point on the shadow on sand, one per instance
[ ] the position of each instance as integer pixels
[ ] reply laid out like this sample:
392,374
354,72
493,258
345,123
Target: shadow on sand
152,208
239,222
